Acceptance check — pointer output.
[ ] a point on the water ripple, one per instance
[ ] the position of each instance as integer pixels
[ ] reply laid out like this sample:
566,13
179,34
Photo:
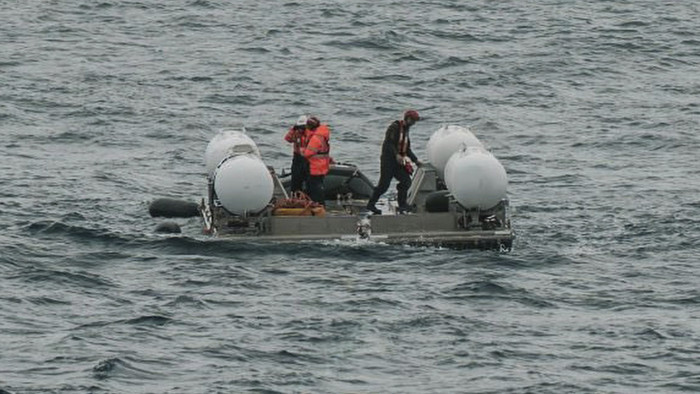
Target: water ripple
590,106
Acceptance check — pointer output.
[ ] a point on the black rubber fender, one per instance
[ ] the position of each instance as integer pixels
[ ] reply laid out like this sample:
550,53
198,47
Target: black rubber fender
438,201
168,228
171,208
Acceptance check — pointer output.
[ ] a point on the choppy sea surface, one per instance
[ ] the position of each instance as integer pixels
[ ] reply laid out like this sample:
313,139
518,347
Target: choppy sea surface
593,107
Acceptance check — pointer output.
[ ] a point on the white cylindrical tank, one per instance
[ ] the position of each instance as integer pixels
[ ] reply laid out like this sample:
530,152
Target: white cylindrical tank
227,143
445,142
476,178
243,184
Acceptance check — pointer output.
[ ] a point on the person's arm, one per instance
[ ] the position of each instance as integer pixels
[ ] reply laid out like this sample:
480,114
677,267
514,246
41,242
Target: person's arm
412,155
291,135
312,147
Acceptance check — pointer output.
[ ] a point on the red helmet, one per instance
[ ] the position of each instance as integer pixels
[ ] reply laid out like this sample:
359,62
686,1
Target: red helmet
313,122
411,114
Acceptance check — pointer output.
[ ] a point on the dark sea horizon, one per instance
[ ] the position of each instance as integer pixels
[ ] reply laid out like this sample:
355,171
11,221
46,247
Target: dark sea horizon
592,107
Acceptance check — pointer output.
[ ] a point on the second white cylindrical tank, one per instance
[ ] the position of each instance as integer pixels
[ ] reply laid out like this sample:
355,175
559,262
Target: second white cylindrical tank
445,142
476,178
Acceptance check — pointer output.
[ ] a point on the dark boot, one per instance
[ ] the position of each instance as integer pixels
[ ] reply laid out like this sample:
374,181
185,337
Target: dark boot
372,208
403,209
373,200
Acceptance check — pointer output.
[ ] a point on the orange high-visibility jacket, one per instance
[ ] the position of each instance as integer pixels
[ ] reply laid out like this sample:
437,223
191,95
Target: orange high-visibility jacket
317,151
298,138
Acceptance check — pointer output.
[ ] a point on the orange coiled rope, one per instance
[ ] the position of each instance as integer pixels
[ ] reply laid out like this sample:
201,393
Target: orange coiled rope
299,204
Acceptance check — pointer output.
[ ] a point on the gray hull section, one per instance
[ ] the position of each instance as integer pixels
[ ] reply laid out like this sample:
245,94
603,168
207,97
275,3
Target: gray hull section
347,220
430,229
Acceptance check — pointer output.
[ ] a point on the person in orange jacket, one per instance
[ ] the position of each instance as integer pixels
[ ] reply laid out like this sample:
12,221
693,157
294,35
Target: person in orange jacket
299,135
317,152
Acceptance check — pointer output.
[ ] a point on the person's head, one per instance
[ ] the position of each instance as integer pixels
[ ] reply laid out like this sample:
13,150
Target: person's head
312,123
300,123
411,117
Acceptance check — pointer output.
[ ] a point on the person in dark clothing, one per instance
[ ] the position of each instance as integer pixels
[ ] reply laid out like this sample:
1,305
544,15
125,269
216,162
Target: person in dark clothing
396,152
299,136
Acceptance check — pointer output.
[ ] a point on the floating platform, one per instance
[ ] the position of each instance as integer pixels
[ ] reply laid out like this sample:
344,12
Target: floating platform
436,219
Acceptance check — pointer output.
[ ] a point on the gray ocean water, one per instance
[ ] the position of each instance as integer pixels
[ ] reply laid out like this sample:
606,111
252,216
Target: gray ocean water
592,107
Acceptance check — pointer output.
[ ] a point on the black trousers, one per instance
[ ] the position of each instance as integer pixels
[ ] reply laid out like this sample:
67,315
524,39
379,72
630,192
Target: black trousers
300,173
316,190
390,169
